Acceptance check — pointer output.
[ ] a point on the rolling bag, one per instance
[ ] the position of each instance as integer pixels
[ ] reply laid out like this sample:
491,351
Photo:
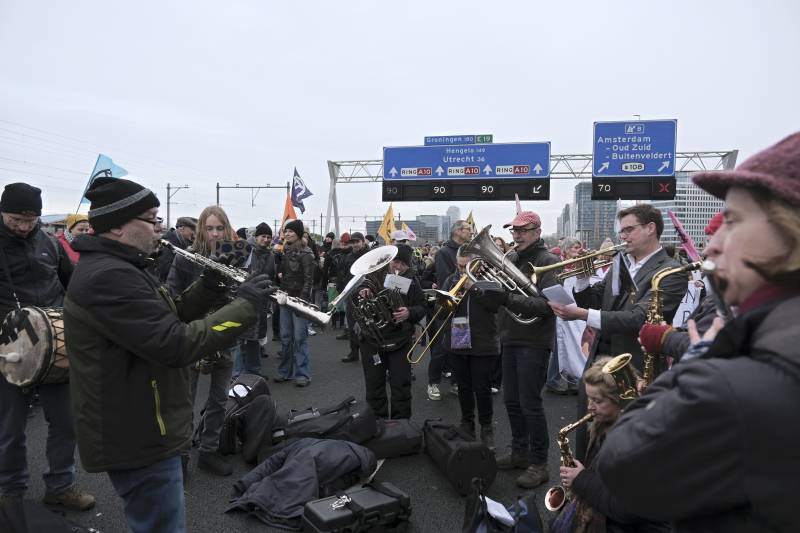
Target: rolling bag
395,438
374,507
458,456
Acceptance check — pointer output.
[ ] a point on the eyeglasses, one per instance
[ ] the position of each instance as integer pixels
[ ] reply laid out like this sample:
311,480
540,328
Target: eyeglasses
628,229
154,221
523,230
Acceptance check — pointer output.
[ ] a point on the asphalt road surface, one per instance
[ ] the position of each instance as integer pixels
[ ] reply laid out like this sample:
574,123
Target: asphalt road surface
436,506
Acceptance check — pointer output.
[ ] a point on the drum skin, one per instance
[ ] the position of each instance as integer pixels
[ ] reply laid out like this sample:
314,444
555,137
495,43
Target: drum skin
42,362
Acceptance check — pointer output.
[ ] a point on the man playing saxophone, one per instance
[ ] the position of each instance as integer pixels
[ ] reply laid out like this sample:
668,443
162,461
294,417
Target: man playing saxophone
617,306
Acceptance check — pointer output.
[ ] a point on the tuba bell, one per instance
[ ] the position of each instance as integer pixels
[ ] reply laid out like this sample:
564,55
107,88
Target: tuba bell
621,369
493,265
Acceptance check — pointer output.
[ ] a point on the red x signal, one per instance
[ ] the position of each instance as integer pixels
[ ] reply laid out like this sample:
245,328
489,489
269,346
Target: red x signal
663,187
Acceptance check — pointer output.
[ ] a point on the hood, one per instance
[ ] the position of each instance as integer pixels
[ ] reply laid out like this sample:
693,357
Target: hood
91,244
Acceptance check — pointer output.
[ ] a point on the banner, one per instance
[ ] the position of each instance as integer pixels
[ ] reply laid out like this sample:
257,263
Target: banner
299,192
411,235
387,226
103,167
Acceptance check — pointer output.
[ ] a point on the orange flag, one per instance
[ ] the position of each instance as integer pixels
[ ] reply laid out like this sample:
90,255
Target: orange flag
288,211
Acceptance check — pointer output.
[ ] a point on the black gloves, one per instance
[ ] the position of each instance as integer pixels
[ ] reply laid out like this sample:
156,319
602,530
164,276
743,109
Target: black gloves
491,292
213,279
256,289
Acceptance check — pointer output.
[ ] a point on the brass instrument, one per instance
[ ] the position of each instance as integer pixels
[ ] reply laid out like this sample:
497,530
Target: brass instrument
301,307
621,369
653,363
445,300
587,264
493,265
557,496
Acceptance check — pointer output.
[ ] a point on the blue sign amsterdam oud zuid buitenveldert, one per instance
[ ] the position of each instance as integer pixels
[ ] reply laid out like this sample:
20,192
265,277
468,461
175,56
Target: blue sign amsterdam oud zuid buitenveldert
510,160
634,148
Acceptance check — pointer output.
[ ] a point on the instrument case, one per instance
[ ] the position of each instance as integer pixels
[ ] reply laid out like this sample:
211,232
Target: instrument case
373,507
395,438
349,420
458,456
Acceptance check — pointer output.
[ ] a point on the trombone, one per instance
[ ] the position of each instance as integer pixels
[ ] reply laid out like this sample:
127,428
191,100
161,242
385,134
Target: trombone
446,300
586,264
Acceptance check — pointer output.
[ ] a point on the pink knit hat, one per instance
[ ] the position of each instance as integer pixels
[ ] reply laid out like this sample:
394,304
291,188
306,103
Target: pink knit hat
776,169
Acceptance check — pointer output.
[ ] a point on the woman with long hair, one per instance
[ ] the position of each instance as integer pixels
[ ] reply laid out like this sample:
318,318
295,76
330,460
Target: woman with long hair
213,227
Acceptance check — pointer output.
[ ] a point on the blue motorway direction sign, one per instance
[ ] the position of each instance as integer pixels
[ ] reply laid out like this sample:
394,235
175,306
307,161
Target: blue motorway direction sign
634,148
438,140
511,160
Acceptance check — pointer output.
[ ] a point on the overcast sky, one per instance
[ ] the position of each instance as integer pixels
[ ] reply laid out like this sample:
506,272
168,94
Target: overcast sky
199,92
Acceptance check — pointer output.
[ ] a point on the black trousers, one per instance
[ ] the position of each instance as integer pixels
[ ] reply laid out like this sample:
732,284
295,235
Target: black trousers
474,377
376,365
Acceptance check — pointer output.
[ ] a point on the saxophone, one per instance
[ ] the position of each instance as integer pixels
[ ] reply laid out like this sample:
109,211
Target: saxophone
557,496
653,363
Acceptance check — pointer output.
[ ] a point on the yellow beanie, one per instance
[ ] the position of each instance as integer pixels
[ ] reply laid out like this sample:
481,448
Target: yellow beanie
73,220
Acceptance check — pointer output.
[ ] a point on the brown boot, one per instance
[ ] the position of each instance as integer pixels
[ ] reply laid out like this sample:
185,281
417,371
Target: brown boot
72,498
514,460
533,476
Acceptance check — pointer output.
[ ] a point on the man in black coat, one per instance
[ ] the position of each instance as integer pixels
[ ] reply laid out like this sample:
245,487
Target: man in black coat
181,236
617,306
358,247
34,271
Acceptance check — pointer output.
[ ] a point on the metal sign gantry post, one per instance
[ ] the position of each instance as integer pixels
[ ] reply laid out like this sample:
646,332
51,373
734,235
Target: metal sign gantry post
566,166
172,191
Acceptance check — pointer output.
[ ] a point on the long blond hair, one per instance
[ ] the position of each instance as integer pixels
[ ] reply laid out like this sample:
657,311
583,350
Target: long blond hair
201,244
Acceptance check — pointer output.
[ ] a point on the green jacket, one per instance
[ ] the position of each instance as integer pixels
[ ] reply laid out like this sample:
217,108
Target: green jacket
130,346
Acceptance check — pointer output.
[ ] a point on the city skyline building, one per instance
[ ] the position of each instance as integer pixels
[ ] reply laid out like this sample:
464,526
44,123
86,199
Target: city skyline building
694,208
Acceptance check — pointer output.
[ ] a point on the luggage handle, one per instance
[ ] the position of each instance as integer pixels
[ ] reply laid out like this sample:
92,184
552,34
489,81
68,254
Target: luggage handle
312,412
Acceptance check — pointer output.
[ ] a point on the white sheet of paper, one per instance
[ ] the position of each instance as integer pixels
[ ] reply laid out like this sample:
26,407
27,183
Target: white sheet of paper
558,294
498,511
393,281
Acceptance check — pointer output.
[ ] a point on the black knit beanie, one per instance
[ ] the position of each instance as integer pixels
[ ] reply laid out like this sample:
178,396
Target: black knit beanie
296,226
116,201
404,254
21,199
263,229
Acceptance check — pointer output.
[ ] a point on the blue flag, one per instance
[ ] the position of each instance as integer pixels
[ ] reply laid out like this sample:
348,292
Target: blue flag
299,192
104,167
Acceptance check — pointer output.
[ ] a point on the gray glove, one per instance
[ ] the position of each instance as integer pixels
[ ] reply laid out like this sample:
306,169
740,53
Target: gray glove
256,289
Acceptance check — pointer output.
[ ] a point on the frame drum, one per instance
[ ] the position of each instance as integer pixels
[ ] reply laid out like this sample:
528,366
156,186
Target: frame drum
28,361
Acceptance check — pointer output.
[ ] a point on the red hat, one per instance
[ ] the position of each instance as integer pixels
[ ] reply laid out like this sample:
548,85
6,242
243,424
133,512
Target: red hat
524,218
345,238
714,224
555,250
776,169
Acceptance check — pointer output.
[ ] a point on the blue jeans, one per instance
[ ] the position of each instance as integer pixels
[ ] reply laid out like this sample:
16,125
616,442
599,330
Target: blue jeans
153,496
524,373
60,438
294,343
247,358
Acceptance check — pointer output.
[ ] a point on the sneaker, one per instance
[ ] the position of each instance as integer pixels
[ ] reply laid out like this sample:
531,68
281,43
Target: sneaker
514,460
311,332
214,463
495,390
72,498
433,392
302,382
454,389
487,438
533,476
349,358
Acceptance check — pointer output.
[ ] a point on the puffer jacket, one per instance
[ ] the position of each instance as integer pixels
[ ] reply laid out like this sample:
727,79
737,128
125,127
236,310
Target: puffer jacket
297,271
130,346
712,444
39,267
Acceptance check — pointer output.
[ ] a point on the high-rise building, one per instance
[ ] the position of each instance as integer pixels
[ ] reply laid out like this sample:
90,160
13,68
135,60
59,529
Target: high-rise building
590,220
453,213
693,207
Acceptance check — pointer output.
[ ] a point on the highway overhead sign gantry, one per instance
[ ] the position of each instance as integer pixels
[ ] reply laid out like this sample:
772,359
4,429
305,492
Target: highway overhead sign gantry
635,148
507,161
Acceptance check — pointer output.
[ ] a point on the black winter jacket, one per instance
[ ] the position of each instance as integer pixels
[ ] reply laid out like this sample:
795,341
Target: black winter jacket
129,347
297,270
445,260
166,256
414,300
344,272
40,268
541,333
276,491
712,445
483,300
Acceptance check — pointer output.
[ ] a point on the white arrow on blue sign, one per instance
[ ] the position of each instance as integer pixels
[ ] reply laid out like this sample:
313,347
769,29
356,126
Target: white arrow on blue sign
509,160
634,148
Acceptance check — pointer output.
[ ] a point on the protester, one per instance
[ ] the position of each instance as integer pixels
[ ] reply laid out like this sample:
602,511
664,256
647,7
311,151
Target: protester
76,224
182,236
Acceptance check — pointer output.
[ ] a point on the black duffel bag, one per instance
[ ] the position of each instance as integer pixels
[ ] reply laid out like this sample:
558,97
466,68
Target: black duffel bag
348,420
459,456
395,438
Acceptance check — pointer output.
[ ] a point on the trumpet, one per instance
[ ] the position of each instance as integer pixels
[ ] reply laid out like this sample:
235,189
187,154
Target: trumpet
445,300
586,264
493,265
557,496
301,307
